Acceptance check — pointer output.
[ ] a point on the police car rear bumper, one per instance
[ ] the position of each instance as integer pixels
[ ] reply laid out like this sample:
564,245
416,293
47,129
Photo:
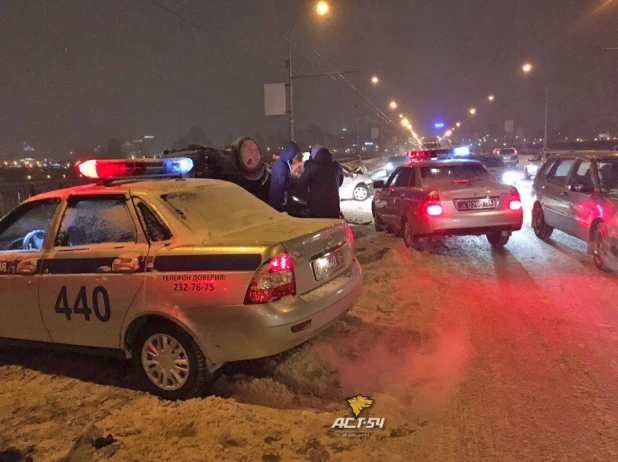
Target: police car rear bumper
254,331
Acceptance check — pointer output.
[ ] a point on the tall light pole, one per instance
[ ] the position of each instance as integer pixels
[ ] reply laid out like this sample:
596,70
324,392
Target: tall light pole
322,10
527,68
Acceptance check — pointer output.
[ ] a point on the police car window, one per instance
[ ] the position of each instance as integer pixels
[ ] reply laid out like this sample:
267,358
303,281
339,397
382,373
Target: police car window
558,173
26,227
393,178
155,230
450,176
96,221
403,179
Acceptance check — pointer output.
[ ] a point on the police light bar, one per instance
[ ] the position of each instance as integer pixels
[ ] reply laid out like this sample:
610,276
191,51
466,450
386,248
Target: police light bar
116,168
416,154
429,154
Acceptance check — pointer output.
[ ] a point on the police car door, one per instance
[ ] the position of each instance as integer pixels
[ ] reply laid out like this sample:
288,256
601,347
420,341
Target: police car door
95,271
24,234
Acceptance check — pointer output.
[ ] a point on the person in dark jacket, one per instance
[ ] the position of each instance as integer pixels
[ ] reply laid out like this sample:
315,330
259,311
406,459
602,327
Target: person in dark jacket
281,176
321,180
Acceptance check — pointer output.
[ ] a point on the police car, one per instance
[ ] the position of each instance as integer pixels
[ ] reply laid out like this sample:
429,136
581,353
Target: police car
181,275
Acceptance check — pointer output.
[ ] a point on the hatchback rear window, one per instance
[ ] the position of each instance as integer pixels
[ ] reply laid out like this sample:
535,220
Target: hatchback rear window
445,176
507,151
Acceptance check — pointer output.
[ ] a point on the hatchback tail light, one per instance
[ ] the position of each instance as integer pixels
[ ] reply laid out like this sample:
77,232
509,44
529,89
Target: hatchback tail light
432,204
514,199
272,281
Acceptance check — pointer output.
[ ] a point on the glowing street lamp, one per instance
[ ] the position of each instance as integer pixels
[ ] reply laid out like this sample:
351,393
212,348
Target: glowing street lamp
526,67
491,97
472,111
458,124
409,126
448,133
405,122
393,105
401,116
375,80
322,8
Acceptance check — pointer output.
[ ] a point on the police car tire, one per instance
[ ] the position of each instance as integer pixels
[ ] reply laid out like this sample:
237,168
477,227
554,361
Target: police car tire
199,376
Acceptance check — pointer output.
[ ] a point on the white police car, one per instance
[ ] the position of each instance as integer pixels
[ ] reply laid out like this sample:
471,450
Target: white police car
182,275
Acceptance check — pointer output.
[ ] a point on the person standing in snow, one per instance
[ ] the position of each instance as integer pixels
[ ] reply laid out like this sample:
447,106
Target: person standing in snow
321,181
281,176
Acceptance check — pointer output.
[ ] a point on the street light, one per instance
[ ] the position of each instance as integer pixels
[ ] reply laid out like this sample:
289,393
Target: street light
321,9
527,67
375,79
448,133
405,122
393,105
472,111
491,97
401,116
409,126
458,124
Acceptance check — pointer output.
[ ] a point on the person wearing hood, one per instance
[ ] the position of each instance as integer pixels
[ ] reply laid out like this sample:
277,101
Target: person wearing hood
321,181
281,176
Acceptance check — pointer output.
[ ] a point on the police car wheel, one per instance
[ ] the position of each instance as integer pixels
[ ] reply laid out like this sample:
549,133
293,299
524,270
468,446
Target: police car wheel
169,362
497,239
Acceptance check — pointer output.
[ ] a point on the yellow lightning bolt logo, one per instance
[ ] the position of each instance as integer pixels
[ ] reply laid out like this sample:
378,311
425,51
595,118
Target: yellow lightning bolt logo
358,403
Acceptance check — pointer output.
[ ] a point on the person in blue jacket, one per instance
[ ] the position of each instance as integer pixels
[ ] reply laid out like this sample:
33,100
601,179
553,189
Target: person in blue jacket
281,176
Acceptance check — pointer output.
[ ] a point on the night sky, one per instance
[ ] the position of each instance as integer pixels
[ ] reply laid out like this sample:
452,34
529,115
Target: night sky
77,72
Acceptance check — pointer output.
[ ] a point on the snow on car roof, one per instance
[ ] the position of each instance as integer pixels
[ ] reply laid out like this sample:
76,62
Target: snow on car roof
135,186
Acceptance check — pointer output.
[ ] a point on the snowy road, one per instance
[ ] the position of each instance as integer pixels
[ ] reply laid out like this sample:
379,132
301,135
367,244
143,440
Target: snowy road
469,354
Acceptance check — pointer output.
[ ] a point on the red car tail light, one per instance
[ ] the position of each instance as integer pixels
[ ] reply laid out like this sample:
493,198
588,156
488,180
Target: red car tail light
272,281
432,205
515,199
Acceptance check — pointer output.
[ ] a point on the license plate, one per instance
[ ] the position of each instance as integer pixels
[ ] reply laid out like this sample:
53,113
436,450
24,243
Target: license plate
327,265
476,204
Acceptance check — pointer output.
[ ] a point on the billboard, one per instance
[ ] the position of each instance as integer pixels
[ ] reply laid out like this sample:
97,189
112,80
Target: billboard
274,99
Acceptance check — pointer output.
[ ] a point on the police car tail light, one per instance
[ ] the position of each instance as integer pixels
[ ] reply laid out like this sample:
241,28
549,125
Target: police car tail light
272,281
515,199
350,238
432,205
118,168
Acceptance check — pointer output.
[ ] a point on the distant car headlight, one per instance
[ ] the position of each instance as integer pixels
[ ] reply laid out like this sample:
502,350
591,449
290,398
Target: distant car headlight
509,177
389,166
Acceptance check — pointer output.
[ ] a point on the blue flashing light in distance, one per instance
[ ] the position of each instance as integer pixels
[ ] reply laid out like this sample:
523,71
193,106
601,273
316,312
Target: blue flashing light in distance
439,125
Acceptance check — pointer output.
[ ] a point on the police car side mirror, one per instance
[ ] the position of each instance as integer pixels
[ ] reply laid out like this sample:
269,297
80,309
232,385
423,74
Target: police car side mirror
379,184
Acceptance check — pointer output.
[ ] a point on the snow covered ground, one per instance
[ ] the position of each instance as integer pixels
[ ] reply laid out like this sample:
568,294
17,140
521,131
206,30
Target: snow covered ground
468,353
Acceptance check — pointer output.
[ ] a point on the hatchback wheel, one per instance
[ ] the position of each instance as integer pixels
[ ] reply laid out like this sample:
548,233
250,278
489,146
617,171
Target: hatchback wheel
408,236
497,239
600,247
360,193
541,229
169,362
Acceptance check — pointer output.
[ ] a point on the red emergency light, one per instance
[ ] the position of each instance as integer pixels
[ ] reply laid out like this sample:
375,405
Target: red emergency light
102,169
420,154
